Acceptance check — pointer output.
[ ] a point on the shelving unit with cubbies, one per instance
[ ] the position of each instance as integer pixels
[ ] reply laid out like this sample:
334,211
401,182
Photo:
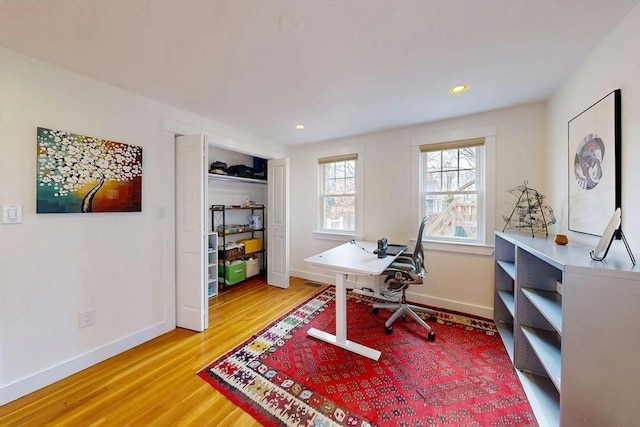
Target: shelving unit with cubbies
212,264
504,299
552,307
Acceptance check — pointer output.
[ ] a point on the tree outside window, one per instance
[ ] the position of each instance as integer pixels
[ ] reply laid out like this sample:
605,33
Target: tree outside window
338,193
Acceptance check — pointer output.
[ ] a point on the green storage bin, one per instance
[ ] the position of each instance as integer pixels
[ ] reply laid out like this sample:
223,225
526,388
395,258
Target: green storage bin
234,273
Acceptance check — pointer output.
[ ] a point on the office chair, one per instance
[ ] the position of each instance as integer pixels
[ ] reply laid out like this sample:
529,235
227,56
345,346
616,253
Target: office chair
403,272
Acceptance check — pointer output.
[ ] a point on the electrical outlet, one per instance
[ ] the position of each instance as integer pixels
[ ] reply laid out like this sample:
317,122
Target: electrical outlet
87,317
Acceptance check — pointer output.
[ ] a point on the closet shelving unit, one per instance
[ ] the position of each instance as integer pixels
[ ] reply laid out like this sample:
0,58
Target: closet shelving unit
219,219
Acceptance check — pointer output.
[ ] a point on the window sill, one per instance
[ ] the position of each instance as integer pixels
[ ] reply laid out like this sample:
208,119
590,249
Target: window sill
343,237
462,248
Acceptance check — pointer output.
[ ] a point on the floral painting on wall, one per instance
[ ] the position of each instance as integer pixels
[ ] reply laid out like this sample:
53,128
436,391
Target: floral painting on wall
83,174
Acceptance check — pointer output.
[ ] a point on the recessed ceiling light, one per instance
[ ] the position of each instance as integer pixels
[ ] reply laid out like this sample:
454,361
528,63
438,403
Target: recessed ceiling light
458,89
299,126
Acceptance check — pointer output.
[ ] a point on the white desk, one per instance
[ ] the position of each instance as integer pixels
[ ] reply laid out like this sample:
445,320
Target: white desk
349,258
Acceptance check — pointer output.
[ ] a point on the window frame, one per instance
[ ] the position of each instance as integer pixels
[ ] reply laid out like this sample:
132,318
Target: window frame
321,232
481,246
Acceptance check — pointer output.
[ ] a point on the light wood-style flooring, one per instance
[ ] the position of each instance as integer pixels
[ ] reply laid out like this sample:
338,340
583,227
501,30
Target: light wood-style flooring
155,384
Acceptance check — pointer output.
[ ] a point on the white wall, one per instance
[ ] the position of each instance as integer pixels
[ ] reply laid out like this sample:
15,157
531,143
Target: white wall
615,64
532,145
456,281
55,265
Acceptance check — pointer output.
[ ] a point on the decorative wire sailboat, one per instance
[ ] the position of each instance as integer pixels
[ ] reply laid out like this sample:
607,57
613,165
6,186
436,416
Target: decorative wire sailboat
529,212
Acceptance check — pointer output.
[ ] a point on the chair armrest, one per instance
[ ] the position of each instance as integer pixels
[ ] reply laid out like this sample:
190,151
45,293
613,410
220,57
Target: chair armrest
397,279
401,265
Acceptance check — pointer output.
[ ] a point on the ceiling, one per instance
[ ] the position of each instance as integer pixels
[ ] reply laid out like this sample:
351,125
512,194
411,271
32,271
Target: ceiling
346,67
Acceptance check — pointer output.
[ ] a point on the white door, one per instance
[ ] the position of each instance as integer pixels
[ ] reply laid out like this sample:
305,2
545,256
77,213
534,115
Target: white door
278,223
191,289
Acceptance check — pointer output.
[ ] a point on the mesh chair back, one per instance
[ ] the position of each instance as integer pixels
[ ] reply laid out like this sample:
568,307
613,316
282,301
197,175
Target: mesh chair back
418,252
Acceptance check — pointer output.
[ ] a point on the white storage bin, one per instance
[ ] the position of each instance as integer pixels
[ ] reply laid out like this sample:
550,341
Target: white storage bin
252,266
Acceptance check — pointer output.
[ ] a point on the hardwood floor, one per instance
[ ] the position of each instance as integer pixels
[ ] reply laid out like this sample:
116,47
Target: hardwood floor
156,382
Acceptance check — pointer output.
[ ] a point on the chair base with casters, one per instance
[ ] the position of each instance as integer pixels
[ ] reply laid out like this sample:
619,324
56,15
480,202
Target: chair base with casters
400,281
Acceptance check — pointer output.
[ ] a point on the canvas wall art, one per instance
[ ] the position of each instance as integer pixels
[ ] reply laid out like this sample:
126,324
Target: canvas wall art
83,174
594,165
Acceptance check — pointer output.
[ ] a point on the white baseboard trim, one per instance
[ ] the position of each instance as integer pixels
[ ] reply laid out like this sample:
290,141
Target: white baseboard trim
24,386
461,307
330,278
475,310
320,278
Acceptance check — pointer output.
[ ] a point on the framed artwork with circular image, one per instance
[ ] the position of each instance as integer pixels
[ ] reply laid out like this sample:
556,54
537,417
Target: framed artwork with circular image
594,165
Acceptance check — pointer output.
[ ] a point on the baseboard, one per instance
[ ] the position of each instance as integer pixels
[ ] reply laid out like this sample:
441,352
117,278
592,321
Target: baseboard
475,310
24,386
320,278
457,306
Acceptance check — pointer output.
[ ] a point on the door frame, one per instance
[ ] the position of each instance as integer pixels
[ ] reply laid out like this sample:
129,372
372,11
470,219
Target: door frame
174,129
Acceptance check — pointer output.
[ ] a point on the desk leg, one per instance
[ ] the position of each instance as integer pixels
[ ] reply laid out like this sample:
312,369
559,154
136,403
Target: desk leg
340,338
341,308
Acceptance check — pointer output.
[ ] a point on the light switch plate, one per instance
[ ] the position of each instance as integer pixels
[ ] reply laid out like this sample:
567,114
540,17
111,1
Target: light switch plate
12,214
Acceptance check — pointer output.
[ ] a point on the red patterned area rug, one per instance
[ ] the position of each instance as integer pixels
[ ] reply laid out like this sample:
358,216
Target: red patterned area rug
281,376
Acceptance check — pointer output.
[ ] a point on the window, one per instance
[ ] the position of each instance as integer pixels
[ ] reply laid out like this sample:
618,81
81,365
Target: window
338,194
453,190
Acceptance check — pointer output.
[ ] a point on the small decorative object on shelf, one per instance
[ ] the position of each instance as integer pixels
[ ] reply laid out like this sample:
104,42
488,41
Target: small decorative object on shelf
561,239
529,212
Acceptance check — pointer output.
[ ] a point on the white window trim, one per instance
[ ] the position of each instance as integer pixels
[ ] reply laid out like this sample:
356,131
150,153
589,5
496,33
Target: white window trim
489,134
358,234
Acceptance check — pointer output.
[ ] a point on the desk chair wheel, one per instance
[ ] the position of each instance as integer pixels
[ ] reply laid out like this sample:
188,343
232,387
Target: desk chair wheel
431,336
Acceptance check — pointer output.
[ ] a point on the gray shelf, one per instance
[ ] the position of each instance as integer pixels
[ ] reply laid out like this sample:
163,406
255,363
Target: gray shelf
508,267
546,345
549,304
509,301
506,334
543,398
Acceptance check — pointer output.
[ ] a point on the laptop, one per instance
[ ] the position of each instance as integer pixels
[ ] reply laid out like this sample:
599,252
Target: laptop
393,250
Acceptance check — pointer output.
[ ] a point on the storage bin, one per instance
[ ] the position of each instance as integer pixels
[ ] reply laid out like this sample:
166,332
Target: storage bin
235,271
232,250
251,245
240,170
252,266
218,167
